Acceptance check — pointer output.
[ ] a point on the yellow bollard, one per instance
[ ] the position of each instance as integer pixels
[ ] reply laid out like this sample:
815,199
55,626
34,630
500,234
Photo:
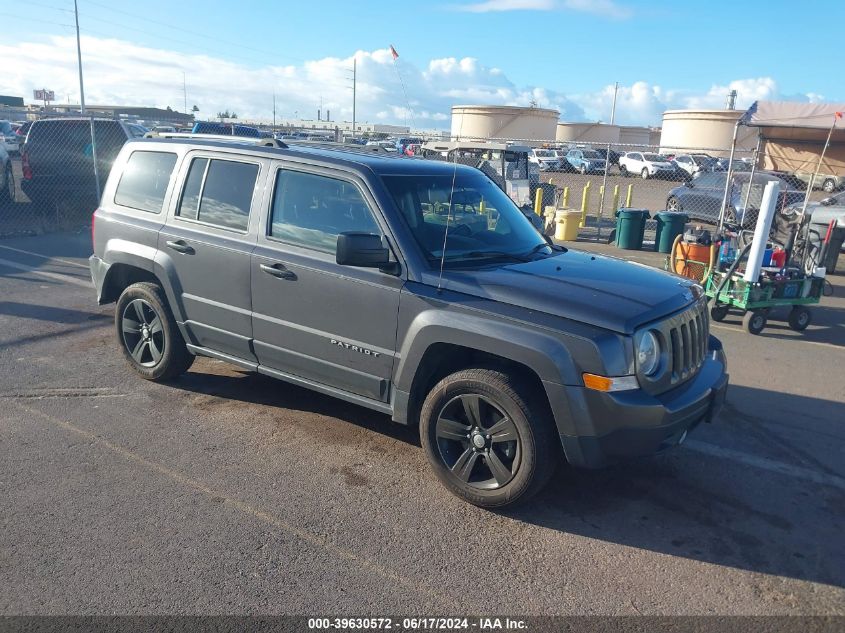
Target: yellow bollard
615,199
565,203
630,197
585,201
538,201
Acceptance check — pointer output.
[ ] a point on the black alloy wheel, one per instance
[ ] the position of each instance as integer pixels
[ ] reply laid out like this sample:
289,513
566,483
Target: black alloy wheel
478,442
143,336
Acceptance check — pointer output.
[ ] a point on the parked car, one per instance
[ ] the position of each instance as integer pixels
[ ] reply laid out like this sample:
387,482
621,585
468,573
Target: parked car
646,165
57,158
136,130
21,132
7,179
390,146
738,165
695,163
585,161
545,159
701,198
612,156
826,182
164,128
229,129
415,288
10,139
403,142
560,154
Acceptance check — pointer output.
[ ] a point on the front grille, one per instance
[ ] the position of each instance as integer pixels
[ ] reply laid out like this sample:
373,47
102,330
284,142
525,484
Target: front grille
686,336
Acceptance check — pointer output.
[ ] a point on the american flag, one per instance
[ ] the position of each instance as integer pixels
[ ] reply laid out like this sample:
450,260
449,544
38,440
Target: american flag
393,52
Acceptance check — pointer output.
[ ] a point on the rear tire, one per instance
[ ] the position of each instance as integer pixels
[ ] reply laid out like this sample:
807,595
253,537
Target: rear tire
148,335
829,185
799,318
622,171
7,193
488,437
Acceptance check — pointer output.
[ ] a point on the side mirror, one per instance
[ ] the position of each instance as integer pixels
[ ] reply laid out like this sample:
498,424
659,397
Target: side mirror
364,250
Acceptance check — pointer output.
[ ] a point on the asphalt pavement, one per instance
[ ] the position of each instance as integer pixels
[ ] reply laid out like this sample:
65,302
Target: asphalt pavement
227,492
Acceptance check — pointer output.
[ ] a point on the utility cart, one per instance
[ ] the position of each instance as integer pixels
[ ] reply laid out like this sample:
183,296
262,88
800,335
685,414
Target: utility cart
730,290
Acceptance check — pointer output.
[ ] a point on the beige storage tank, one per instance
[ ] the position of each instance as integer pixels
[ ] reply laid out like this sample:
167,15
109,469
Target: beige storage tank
586,133
634,135
705,130
478,122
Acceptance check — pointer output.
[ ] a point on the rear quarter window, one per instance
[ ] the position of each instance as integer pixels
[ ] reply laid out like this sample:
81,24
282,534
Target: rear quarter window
144,181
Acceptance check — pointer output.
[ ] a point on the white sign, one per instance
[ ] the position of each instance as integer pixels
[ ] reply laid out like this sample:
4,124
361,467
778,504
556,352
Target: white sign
44,95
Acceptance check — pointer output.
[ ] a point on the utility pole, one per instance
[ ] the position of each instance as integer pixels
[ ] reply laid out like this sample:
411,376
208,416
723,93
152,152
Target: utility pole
274,111
184,92
613,108
354,90
79,60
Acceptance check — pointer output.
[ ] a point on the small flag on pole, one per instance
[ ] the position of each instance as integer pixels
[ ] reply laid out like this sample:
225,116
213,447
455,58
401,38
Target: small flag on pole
838,115
396,55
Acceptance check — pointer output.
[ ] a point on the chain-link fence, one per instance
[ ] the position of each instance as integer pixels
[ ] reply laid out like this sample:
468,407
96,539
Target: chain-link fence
53,180
599,178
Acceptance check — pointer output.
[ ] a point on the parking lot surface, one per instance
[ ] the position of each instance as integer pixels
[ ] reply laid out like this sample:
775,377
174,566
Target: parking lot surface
227,492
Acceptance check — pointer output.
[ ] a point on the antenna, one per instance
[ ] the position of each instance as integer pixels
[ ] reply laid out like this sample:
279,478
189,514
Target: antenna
451,206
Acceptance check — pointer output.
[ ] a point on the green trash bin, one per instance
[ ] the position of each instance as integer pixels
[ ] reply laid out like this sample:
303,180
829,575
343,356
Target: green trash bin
669,226
630,226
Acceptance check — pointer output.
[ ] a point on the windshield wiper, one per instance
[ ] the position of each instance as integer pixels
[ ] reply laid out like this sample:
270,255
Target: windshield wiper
487,254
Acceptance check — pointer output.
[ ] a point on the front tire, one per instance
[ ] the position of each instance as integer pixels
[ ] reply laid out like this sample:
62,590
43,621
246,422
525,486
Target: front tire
829,185
483,439
644,173
148,335
719,312
673,204
754,321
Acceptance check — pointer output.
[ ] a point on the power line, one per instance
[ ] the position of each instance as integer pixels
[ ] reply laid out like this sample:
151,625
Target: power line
181,29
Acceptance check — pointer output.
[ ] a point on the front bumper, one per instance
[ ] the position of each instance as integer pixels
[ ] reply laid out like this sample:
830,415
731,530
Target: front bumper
598,428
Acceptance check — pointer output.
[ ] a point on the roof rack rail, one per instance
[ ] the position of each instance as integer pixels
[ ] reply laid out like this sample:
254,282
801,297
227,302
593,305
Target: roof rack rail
244,140
346,147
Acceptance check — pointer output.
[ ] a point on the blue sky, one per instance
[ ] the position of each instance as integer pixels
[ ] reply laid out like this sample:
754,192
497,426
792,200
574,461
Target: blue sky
558,53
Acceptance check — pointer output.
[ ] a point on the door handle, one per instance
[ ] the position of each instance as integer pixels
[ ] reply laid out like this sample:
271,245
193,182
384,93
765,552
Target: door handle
277,270
181,247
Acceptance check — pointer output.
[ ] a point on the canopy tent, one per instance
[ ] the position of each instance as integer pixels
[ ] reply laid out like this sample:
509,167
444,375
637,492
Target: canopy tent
793,137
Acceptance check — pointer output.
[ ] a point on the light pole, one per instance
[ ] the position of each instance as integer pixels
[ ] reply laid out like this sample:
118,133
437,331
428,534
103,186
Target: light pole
79,59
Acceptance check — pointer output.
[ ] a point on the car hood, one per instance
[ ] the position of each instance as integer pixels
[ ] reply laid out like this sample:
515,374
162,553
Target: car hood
604,291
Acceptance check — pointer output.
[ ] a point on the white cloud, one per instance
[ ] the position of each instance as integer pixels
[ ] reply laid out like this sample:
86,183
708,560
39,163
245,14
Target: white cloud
121,73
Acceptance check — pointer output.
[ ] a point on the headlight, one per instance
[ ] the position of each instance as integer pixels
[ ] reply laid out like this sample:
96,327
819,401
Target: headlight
648,354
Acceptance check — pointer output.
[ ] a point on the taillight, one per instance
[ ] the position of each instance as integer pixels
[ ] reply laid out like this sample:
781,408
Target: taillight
25,166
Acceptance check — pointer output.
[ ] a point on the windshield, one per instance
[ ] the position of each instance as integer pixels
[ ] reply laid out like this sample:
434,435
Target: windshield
484,223
544,153
654,158
593,155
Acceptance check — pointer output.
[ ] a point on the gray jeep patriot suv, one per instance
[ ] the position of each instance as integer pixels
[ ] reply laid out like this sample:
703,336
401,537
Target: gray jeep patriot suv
413,287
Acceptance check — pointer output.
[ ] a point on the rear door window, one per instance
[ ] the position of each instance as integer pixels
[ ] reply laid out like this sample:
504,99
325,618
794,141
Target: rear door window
219,193
144,181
